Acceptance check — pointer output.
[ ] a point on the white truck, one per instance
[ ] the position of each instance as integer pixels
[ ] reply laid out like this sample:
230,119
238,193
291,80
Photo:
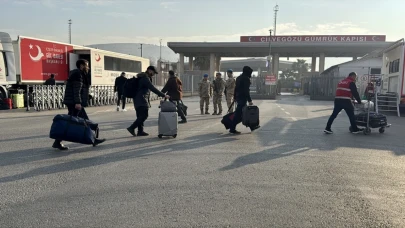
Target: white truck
30,61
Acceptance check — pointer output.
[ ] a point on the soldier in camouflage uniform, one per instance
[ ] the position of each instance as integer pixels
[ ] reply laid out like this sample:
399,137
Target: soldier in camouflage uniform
219,88
205,92
230,89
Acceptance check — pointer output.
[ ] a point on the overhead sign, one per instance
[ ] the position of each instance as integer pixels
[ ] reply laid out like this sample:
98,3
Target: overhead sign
270,80
318,38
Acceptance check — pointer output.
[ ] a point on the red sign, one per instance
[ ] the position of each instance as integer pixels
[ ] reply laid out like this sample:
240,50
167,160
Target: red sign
326,38
40,59
270,80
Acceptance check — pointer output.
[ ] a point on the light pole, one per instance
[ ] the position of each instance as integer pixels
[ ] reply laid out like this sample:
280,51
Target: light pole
70,31
269,58
160,58
275,18
141,50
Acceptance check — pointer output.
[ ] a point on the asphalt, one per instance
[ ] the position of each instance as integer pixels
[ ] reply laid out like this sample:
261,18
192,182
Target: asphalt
286,174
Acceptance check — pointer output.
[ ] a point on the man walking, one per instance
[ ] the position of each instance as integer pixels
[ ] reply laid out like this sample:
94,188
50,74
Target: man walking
346,89
242,96
76,96
205,92
142,100
174,89
119,89
219,87
230,90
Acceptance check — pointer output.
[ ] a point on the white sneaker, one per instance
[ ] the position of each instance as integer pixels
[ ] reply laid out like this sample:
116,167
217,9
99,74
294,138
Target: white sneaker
124,110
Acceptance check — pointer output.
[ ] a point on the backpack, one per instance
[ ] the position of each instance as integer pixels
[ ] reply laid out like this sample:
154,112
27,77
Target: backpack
131,87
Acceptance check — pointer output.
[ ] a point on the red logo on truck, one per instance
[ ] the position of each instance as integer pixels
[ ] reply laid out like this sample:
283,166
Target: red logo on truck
40,59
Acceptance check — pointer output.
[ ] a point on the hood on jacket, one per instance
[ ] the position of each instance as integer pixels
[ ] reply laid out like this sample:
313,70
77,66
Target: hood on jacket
247,71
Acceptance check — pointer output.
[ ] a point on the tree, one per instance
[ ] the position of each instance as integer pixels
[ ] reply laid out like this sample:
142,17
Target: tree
299,68
202,62
287,74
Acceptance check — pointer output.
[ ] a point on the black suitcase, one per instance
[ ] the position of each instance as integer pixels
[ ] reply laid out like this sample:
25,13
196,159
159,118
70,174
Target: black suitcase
250,116
227,120
376,120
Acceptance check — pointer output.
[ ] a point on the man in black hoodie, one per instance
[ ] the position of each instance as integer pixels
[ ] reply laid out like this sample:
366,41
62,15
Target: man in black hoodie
119,88
142,100
241,97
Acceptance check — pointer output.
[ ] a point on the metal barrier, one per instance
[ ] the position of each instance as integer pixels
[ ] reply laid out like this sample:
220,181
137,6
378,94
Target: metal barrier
321,88
44,97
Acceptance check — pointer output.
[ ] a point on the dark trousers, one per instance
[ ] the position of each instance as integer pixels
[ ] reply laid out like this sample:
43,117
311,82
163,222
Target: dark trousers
142,113
343,104
180,110
238,115
119,98
72,111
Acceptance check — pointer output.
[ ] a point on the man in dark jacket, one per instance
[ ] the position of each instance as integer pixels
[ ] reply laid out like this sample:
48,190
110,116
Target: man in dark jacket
174,89
119,88
51,80
241,97
141,100
76,96
345,91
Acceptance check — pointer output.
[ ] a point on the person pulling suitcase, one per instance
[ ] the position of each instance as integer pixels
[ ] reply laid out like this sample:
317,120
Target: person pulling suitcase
174,89
242,96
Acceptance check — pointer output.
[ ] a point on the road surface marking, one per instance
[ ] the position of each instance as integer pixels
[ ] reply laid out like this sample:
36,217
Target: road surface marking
293,118
287,113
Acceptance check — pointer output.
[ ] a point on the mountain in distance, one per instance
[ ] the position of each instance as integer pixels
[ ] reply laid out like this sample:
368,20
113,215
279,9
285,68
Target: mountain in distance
149,51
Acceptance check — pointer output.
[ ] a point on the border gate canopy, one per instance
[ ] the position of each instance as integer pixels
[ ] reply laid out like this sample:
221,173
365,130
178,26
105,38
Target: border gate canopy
285,46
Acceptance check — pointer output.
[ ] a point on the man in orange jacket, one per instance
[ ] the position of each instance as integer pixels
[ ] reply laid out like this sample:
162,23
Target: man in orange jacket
345,91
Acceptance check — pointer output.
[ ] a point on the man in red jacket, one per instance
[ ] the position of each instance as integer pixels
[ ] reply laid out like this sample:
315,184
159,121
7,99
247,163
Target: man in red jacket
345,91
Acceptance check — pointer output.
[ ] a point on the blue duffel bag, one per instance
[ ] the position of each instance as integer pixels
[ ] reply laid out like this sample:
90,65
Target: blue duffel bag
73,129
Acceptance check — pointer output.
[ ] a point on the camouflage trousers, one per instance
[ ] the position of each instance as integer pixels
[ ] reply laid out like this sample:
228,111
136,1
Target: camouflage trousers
217,100
205,100
229,100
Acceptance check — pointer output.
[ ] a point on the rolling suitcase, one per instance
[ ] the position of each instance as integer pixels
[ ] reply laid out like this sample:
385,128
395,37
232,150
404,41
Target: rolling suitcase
167,121
73,129
250,116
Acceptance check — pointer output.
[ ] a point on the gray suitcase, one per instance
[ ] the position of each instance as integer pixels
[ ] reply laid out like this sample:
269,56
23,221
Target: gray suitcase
167,124
250,116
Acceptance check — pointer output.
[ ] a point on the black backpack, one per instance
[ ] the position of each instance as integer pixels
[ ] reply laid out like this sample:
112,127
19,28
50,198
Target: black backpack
131,87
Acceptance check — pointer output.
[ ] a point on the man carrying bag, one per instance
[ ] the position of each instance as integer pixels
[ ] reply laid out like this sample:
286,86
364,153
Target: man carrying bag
76,98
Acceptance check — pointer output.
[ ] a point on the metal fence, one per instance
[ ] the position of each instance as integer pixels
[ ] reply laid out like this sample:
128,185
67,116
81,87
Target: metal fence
320,88
45,97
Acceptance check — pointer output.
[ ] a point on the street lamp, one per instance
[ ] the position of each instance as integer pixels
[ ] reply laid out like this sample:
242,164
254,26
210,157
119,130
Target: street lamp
269,58
70,31
141,50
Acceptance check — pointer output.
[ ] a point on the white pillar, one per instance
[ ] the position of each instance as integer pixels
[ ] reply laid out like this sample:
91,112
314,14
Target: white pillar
321,63
212,65
218,63
276,60
313,64
190,63
181,65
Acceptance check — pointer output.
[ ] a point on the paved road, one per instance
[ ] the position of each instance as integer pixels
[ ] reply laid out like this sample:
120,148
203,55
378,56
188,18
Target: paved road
287,174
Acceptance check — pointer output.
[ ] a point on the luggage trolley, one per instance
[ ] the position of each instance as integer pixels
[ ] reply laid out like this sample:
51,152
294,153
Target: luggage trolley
367,119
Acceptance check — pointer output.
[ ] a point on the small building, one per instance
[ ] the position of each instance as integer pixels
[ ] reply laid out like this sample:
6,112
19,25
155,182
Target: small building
363,66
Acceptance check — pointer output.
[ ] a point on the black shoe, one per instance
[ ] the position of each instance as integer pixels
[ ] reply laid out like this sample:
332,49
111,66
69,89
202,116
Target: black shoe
182,121
357,131
142,133
132,131
234,132
59,146
207,113
214,114
219,114
328,131
98,141
254,128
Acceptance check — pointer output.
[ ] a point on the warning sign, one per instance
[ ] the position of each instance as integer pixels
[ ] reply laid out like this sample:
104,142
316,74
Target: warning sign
271,80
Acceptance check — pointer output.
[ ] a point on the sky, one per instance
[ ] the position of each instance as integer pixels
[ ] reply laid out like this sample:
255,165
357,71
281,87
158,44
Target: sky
148,21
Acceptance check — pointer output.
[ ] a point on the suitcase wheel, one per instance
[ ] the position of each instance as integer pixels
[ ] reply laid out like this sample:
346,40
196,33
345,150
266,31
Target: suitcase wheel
174,136
381,130
160,136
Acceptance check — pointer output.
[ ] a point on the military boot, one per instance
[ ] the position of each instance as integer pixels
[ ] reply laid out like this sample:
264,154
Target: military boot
202,112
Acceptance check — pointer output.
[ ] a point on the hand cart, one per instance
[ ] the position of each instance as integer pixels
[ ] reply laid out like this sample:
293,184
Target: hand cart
362,113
